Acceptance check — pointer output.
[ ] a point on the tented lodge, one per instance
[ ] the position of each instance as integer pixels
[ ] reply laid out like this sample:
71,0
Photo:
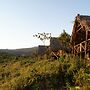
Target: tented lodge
80,38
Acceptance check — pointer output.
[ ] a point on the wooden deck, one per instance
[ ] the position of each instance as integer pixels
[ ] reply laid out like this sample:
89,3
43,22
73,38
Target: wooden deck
83,47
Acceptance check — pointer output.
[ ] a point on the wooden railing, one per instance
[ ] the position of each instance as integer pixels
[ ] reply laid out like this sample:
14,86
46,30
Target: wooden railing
82,47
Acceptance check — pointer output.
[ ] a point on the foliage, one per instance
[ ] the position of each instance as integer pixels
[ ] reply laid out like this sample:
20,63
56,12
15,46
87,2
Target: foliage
65,38
43,36
27,73
5,57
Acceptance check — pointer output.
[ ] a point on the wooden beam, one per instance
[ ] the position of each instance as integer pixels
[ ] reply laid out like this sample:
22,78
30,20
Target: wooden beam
88,30
83,47
54,54
77,48
80,47
78,26
79,29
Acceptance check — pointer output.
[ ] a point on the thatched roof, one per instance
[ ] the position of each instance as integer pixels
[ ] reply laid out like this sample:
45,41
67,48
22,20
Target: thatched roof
55,44
81,24
42,49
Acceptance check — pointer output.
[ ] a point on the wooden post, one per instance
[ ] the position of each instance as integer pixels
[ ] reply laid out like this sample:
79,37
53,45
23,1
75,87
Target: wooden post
80,51
80,47
86,44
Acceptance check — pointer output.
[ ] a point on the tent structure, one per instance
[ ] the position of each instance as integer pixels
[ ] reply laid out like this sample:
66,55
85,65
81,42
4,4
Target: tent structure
80,38
56,47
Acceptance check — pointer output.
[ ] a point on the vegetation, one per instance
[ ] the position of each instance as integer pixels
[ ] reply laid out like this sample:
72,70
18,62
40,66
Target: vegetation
65,38
25,73
36,73
43,36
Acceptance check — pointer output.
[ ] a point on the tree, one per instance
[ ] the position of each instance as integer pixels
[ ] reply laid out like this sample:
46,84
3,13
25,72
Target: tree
65,38
43,36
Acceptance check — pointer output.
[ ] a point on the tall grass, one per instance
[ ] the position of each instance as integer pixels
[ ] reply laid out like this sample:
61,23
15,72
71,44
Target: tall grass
30,74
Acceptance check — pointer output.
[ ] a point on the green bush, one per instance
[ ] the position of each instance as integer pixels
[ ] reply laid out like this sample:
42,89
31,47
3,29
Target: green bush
30,74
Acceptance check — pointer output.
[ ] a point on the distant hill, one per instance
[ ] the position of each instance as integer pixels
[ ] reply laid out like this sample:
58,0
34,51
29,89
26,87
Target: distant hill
21,52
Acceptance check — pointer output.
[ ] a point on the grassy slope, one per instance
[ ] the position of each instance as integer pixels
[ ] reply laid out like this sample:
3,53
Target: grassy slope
30,74
19,74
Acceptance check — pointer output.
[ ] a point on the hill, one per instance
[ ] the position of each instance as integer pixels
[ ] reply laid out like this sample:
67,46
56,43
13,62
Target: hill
21,52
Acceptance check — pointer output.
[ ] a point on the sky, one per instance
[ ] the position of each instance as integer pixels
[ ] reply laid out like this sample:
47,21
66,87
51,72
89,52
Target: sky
21,19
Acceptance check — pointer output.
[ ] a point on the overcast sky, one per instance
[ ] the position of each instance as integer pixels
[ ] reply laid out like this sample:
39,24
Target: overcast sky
21,19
